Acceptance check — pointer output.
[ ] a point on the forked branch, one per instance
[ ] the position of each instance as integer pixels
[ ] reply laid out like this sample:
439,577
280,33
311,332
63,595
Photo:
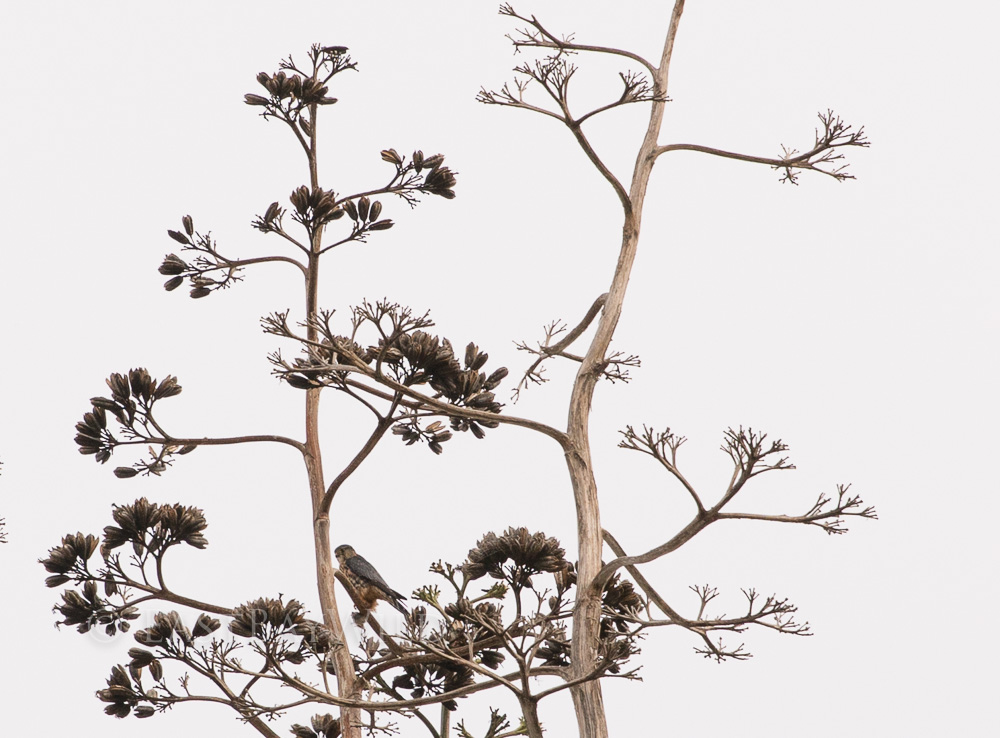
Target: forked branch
535,35
751,455
768,612
547,349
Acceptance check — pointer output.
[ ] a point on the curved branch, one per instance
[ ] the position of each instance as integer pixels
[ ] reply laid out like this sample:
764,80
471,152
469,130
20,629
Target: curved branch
281,232
639,579
235,263
584,143
836,134
594,674
166,595
796,161
689,531
383,425
418,400
530,40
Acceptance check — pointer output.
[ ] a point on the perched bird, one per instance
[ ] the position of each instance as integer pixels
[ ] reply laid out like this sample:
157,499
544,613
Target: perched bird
367,582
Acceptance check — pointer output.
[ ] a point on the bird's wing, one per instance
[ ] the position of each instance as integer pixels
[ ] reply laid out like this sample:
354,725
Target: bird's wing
359,565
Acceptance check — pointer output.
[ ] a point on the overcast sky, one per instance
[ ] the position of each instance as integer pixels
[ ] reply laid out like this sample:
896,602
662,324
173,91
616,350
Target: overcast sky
858,321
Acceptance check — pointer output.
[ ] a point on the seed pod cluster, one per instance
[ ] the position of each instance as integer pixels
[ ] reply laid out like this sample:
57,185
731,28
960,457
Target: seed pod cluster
528,554
619,597
133,396
152,527
266,618
323,726
87,608
299,92
70,556
313,208
120,694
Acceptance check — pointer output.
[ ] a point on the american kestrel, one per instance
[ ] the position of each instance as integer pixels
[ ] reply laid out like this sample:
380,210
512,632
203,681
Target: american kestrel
367,582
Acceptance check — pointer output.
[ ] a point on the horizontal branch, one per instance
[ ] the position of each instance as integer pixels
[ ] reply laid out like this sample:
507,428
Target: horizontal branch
828,520
770,161
835,135
396,705
418,401
235,440
237,263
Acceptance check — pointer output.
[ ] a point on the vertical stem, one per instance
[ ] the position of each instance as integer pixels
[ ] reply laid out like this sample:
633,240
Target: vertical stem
350,718
445,722
588,699
529,710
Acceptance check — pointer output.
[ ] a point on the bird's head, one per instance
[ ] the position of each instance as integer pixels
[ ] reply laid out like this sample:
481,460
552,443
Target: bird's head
344,552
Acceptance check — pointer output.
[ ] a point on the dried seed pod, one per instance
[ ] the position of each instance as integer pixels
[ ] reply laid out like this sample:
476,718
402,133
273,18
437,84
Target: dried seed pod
495,378
188,225
375,210
363,205
433,162
300,199
173,264
56,580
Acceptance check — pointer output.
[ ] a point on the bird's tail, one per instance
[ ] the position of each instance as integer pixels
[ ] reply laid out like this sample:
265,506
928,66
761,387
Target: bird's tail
395,602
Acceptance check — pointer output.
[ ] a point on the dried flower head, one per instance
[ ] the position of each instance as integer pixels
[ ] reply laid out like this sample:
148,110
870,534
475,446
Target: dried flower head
153,527
265,618
167,630
528,553
619,598
485,617
74,552
555,651
322,726
120,694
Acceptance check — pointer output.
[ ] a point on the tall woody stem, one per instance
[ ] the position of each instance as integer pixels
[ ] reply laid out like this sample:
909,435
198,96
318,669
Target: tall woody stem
587,696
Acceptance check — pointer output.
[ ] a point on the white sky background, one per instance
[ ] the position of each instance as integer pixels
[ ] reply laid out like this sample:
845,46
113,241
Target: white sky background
856,321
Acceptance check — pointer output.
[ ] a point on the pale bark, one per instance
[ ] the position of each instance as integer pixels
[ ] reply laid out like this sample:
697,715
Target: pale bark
588,700
347,686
